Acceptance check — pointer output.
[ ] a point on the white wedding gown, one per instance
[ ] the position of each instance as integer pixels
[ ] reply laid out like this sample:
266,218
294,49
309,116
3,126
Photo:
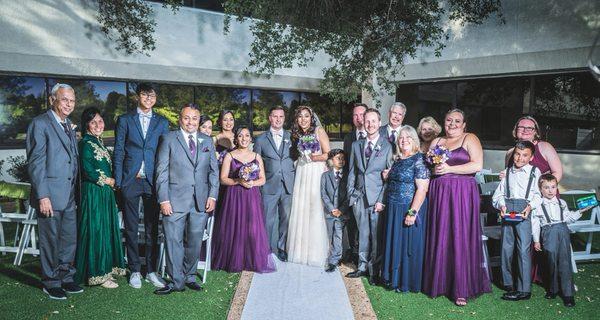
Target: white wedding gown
307,241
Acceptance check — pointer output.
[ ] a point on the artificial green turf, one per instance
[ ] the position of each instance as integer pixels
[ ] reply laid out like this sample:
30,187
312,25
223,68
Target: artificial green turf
21,297
391,305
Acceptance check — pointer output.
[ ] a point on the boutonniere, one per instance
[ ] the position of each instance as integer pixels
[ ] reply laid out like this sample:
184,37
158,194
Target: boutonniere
377,150
286,141
73,126
200,140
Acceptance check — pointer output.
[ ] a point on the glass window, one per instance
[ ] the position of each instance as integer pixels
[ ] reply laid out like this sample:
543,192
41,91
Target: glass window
263,100
329,113
21,99
169,100
108,96
568,109
214,99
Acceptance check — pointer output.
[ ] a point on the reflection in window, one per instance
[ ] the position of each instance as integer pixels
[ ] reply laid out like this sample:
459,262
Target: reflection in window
263,100
328,112
21,99
108,96
212,100
570,108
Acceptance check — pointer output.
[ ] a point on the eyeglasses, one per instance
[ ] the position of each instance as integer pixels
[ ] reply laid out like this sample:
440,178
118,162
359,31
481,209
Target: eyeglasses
525,129
147,95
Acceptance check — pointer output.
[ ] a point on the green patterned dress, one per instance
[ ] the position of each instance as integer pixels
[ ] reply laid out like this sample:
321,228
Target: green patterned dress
99,247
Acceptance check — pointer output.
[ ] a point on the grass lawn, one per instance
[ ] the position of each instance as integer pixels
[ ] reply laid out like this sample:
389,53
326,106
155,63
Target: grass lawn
21,297
391,305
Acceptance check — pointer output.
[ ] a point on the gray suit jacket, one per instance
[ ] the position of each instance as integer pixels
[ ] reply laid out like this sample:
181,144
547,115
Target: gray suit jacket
364,178
52,159
186,181
279,167
333,194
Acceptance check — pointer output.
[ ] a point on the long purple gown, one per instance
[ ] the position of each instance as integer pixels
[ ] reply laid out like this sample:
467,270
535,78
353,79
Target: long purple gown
454,263
240,238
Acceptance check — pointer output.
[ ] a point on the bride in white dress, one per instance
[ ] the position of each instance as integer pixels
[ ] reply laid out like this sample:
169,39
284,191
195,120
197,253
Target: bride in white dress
307,233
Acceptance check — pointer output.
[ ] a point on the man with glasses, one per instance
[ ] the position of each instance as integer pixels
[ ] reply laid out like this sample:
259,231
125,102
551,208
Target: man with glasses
136,140
52,166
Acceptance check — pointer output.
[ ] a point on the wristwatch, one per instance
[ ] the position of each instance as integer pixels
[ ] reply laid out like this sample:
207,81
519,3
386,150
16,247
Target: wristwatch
411,212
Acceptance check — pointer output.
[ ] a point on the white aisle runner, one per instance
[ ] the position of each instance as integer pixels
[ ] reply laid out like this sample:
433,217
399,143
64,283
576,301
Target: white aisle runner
297,291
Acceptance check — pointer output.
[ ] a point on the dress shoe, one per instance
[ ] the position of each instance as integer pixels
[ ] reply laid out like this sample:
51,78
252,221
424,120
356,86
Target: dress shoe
55,293
330,268
194,286
550,295
516,296
509,289
372,280
166,290
398,290
356,274
282,255
569,302
72,287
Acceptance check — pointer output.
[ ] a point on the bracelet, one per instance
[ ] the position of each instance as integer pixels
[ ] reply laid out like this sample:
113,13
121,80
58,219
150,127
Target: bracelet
411,212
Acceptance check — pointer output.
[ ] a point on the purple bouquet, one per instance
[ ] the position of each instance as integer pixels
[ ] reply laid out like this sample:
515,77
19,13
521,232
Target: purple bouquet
249,171
308,144
438,155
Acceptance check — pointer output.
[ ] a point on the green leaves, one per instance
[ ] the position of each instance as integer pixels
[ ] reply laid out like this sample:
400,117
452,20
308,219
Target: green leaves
366,42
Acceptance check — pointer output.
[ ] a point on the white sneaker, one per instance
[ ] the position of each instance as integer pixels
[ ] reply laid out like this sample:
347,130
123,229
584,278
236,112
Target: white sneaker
135,280
155,280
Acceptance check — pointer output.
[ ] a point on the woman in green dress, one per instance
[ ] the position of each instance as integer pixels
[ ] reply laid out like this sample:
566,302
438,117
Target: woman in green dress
99,250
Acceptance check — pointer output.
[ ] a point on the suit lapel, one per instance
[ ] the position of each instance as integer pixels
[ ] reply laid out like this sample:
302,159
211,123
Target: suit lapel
361,150
152,125
334,183
272,141
60,132
185,147
136,120
376,147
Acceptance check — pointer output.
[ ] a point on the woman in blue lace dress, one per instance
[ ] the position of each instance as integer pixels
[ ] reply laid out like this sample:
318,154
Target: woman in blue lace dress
406,203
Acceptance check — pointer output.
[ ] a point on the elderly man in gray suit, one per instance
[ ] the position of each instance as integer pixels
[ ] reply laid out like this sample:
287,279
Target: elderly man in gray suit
274,148
52,159
368,159
187,184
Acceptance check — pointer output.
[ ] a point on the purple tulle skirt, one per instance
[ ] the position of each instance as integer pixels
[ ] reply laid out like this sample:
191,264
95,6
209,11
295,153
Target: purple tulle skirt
454,263
239,236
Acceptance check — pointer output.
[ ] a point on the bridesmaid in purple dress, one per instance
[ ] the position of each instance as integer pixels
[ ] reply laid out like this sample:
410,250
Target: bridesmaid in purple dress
240,241
454,263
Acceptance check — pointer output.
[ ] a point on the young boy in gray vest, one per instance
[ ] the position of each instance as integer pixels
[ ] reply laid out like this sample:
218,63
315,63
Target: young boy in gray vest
516,196
549,222
335,204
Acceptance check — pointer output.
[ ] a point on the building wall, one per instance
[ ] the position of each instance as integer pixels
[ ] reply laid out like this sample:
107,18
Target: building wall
538,36
63,38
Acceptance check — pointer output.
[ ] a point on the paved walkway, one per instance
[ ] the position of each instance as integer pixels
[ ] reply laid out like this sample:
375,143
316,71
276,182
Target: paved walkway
297,291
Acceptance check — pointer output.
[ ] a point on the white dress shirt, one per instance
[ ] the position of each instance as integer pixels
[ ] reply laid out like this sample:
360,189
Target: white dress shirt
145,123
396,131
186,135
358,134
553,208
277,137
519,178
373,143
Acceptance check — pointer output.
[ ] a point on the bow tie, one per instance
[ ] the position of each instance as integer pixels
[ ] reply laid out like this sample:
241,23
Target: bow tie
146,115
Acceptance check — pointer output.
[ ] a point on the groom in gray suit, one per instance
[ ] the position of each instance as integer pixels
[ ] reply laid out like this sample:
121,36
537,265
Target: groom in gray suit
274,148
187,184
369,158
52,159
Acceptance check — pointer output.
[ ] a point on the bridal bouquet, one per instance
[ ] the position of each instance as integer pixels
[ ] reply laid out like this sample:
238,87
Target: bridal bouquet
437,155
307,145
249,171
